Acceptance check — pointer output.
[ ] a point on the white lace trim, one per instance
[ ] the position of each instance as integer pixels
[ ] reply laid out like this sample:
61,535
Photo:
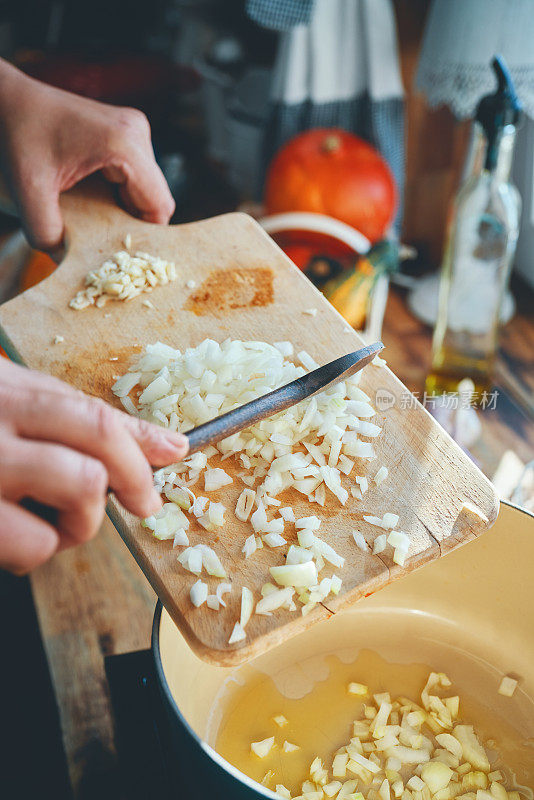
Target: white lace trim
460,86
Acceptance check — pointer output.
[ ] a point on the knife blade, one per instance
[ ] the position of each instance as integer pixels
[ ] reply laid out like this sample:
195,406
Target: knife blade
279,399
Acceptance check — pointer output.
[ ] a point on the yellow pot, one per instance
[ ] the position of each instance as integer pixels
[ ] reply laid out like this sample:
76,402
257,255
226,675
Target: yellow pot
469,614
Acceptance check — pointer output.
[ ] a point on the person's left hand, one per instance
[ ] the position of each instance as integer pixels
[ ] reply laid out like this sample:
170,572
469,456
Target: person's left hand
51,139
63,449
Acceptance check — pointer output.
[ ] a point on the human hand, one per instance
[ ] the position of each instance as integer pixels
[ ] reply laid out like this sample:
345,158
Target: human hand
64,449
51,139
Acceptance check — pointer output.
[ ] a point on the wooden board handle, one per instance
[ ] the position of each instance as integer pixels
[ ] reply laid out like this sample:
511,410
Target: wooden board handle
89,209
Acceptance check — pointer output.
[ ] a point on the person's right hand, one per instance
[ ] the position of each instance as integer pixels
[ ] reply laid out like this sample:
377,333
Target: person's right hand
64,449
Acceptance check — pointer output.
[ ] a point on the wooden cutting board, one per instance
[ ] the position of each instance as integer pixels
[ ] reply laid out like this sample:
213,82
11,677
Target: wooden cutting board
245,288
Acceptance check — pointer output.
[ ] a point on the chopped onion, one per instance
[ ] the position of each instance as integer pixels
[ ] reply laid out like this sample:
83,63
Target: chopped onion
250,546
238,634
363,483
191,560
213,602
381,766
274,540
211,561
360,408
222,589
328,553
416,783
199,506
358,689
306,537
215,479
263,748
216,514
365,762
360,449
332,788
472,750
259,518
199,593
400,540
508,686
280,720
206,523
312,523
369,429
339,765
298,555
181,496
274,600
381,475
288,514
129,405
275,526
407,755
320,494
332,480
436,776
197,461
158,388
306,360
247,606
345,464
359,538
298,575
271,501
379,544
180,538
336,584
124,385
167,522
372,520
308,448
288,747
399,556
285,348
390,520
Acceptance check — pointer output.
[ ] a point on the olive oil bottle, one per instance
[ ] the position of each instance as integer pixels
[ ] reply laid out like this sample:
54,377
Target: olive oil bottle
480,246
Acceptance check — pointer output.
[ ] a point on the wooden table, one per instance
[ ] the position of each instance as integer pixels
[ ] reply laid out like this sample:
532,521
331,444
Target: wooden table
93,601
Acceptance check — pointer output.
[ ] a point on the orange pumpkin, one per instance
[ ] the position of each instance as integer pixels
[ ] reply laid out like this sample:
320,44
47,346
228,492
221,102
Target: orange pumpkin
330,171
39,267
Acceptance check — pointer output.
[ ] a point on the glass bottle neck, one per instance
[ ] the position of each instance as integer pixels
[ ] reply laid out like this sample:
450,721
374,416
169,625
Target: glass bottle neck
476,159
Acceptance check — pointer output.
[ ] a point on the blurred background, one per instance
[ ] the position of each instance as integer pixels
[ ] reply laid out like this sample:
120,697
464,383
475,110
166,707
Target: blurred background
363,118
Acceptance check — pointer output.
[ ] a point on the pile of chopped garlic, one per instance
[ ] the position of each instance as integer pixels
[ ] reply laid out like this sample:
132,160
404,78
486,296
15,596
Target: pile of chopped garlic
123,277
312,448
401,750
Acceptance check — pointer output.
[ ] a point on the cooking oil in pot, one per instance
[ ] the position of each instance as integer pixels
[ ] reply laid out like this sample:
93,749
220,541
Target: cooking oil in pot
308,705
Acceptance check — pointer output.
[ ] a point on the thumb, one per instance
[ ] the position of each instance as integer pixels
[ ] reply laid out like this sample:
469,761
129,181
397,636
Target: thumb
38,202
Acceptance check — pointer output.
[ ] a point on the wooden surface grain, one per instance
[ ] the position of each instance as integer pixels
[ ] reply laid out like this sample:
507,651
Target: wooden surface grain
94,601
91,601
430,478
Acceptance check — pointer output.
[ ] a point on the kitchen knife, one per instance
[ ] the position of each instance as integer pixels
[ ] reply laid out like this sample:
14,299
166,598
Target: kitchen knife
279,399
